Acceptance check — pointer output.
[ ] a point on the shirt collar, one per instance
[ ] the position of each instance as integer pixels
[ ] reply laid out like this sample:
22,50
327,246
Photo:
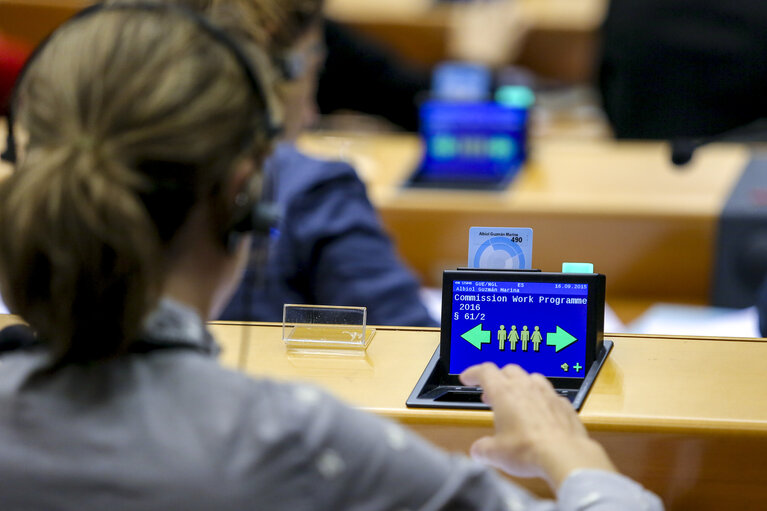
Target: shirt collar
174,323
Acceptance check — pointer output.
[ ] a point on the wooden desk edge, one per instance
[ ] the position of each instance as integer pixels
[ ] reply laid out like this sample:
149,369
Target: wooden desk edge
436,417
279,325
595,423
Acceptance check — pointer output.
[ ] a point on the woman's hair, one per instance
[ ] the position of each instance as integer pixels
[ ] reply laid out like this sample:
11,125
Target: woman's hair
274,24
133,118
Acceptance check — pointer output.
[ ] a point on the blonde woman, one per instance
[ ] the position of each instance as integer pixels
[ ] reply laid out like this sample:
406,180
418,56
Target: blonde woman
123,228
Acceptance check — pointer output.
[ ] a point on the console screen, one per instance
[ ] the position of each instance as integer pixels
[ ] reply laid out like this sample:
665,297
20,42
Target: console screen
541,326
481,143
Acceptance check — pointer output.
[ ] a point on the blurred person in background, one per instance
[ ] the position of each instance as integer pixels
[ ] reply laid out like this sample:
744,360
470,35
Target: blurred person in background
683,68
363,76
329,247
675,69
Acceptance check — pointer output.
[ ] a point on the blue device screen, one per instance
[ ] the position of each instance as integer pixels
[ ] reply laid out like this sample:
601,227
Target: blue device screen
540,326
471,142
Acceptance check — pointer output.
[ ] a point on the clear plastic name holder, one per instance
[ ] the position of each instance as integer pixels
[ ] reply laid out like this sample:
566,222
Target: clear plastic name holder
326,329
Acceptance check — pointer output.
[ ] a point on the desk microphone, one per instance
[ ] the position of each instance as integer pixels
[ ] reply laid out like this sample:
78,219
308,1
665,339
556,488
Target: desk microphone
683,148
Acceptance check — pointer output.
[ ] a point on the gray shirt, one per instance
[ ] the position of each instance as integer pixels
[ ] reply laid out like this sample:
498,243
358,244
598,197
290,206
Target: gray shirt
172,429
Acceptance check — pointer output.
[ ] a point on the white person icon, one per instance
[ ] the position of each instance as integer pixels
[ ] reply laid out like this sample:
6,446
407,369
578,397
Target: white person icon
513,337
536,338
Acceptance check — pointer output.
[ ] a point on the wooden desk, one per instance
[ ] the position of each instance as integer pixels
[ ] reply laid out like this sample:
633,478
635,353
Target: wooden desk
554,38
687,417
647,225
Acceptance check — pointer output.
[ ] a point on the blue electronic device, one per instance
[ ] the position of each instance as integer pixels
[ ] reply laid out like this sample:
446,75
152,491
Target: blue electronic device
548,323
541,326
471,145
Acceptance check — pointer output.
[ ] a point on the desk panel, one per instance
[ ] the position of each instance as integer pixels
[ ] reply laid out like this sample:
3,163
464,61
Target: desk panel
674,384
687,417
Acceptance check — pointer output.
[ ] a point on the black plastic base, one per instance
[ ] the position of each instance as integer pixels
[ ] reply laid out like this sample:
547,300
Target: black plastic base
437,389
419,180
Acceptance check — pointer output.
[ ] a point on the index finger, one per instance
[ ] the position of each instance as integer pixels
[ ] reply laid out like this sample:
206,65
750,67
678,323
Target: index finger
488,376
478,374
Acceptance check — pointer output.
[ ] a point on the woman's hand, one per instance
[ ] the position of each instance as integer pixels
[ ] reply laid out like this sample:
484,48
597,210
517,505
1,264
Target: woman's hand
537,432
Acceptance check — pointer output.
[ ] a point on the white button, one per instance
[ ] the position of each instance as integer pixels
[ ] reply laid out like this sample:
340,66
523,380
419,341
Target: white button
330,464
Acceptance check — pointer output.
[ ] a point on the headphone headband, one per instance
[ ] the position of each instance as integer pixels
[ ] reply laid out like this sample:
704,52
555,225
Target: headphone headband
270,126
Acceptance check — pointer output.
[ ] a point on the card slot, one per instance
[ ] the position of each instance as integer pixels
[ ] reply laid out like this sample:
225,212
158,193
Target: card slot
457,396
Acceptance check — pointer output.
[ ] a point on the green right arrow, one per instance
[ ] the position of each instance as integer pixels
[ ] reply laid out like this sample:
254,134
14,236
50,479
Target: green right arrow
561,339
477,337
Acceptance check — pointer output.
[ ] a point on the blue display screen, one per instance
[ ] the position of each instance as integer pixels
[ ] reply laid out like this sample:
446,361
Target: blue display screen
469,141
540,326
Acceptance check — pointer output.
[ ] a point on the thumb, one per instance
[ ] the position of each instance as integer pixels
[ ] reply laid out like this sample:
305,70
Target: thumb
485,450
492,452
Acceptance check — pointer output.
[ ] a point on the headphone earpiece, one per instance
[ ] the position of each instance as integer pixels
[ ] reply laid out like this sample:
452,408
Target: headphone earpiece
9,155
251,216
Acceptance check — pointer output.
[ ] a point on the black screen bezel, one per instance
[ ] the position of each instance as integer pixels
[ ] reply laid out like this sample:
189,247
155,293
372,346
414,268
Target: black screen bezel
595,310
418,180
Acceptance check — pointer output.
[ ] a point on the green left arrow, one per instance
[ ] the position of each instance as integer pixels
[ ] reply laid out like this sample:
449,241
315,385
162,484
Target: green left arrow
477,337
561,339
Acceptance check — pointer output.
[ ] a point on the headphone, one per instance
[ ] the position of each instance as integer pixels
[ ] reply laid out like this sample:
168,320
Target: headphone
250,215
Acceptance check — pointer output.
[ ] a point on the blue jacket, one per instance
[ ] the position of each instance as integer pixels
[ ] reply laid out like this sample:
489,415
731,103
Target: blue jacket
329,249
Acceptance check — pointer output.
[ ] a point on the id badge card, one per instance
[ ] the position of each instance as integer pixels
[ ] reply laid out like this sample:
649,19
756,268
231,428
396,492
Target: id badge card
496,248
